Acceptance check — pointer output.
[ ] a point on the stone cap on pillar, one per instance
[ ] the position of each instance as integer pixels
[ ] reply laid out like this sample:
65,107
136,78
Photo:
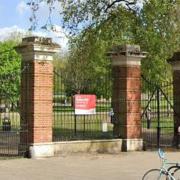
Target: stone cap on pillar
175,61
126,55
37,48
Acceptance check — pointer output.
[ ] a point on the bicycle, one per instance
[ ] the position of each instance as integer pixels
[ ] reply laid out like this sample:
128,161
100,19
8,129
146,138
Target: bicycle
167,171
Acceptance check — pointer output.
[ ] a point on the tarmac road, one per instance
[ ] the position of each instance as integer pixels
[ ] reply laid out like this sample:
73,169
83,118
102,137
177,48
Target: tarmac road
123,166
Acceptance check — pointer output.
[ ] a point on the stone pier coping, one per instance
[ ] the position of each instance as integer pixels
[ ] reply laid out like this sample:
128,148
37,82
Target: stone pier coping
36,43
127,50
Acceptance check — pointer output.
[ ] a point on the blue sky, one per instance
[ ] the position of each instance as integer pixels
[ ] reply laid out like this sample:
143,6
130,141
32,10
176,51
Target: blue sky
14,16
14,12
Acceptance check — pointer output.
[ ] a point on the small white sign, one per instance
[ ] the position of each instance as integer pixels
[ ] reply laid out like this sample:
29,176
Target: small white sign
104,127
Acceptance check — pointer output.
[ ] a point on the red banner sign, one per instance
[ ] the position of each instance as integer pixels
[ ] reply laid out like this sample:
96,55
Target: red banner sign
85,104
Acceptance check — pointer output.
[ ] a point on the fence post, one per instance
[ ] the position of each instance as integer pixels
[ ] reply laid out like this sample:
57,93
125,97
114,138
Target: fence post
37,94
126,95
158,117
175,63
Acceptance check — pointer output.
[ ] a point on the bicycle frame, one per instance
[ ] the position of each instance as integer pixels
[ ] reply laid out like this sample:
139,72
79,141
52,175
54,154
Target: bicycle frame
168,174
166,166
167,169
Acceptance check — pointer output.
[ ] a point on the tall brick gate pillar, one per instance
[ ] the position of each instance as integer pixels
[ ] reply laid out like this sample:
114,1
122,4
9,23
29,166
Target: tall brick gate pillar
37,93
175,62
126,95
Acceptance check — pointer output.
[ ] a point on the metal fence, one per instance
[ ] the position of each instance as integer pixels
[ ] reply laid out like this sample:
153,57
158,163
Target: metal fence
157,114
68,125
11,126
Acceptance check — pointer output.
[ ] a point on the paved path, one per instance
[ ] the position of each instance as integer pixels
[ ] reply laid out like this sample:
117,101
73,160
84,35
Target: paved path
124,166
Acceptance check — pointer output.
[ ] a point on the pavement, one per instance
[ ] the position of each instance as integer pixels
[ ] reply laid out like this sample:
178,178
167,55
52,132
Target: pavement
123,166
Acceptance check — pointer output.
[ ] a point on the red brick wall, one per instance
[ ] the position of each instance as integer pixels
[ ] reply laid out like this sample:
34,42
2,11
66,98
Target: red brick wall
126,101
36,100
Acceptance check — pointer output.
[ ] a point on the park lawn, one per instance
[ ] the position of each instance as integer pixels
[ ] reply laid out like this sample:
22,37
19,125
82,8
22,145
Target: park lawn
166,124
67,120
64,122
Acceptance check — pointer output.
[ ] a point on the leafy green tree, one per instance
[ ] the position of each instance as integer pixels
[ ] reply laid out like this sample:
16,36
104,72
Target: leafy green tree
153,24
78,14
157,33
9,71
86,67
59,63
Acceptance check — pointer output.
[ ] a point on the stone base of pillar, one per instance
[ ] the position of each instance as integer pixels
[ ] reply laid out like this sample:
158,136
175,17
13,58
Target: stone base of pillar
41,150
132,145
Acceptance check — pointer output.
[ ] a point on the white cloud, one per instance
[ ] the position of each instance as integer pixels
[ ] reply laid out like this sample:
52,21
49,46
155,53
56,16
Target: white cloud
58,35
22,7
7,32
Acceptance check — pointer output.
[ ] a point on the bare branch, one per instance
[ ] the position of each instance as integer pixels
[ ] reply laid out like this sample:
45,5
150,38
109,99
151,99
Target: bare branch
118,1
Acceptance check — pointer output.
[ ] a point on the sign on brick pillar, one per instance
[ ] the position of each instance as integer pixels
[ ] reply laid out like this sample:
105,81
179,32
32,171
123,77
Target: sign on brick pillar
175,62
36,93
126,94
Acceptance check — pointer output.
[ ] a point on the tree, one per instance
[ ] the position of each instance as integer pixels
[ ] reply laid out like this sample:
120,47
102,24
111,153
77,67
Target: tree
59,63
157,33
86,68
78,14
10,66
154,25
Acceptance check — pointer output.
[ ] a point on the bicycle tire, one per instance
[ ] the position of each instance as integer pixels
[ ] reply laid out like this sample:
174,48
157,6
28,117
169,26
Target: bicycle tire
176,173
154,174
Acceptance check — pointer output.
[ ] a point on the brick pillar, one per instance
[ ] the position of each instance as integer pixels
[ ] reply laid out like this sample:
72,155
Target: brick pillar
175,62
37,93
126,95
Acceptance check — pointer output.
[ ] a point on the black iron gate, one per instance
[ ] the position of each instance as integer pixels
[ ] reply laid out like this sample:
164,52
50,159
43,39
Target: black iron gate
68,125
157,114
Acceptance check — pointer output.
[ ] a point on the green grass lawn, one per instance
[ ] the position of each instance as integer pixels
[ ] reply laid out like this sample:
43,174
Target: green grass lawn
166,124
66,123
82,126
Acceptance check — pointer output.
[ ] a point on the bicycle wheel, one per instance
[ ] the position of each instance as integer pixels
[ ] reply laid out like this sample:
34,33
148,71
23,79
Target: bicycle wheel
155,174
176,174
